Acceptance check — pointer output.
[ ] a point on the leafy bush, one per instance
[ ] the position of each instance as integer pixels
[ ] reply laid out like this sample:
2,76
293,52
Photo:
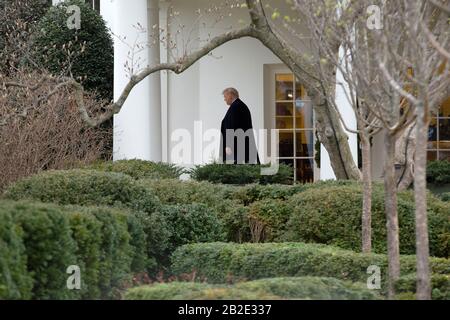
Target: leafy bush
85,187
219,198
50,249
191,223
15,282
109,245
255,192
86,53
140,169
439,282
224,262
240,174
313,288
173,191
268,219
438,172
332,215
445,196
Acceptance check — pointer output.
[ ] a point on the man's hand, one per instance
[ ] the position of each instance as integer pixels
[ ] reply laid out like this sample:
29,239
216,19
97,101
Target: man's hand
228,151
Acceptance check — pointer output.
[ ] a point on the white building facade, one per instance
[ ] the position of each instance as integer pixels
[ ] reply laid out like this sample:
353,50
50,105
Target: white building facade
176,118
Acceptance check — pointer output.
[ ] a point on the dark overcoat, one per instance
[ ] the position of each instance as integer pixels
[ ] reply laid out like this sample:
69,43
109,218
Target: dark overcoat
238,117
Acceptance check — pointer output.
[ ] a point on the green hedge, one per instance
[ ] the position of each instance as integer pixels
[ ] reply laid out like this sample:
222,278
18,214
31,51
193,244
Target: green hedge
267,220
15,281
311,288
107,244
240,174
438,172
189,223
85,187
406,286
254,192
224,262
222,199
445,196
95,63
140,169
332,215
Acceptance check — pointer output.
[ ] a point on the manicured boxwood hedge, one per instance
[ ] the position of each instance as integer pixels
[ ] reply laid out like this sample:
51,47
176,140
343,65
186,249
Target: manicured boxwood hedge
445,196
240,174
107,244
222,199
187,223
15,281
438,172
313,288
332,215
254,192
406,287
85,187
38,241
326,212
224,262
140,169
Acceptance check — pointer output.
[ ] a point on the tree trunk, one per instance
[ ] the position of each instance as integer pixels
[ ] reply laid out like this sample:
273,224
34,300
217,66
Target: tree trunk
335,140
366,223
390,200
404,154
420,185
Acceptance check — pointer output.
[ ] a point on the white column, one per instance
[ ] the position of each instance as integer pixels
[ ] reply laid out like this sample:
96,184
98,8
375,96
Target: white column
137,128
345,108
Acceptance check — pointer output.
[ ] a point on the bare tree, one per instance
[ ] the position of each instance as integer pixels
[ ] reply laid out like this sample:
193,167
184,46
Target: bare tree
44,135
422,29
393,79
335,38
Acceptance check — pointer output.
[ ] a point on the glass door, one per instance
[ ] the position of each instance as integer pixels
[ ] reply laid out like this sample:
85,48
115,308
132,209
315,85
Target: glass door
295,122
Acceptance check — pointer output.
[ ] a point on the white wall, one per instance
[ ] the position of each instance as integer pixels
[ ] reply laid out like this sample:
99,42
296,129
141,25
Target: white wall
196,95
345,108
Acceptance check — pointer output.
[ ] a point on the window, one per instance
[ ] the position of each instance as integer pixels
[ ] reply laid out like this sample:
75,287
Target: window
439,134
294,120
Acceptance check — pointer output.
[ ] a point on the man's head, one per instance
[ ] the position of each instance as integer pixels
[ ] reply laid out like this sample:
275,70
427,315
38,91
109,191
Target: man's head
229,95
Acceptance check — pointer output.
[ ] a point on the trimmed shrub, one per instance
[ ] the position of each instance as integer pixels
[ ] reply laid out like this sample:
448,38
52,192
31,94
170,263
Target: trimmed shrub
140,169
266,289
235,219
255,192
172,191
85,187
192,223
406,286
438,172
218,198
89,49
332,215
445,196
194,291
15,282
224,262
268,219
109,245
86,230
106,250
311,288
240,174
50,249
